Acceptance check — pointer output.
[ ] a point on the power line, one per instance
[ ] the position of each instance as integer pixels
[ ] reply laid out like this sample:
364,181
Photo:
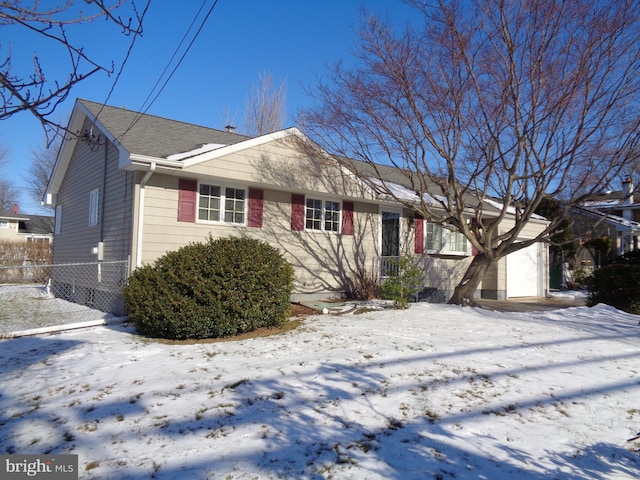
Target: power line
143,110
175,52
126,58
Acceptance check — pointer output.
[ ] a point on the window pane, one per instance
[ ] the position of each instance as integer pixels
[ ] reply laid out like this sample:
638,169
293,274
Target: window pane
209,203
94,197
456,242
234,205
331,216
314,214
433,237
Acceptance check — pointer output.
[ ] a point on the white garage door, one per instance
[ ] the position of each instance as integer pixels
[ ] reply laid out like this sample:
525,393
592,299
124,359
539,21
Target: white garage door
523,272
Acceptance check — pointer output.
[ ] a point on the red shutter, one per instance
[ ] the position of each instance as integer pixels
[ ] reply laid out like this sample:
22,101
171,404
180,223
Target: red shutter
187,197
256,207
419,246
347,218
297,212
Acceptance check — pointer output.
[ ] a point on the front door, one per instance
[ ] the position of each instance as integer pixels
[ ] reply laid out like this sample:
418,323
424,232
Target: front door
390,234
390,243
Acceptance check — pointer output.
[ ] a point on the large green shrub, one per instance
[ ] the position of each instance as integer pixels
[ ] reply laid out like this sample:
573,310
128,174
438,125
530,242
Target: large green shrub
617,285
219,288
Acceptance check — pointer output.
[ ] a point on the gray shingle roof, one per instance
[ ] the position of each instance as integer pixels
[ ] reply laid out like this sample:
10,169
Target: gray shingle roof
40,224
154,136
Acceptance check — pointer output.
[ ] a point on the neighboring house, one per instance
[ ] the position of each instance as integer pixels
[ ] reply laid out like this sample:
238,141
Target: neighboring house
614,214
26,228
134,186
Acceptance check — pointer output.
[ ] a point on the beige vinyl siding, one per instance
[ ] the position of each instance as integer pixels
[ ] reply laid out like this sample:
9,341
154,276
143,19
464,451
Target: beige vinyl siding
323,261
495,280
279,166
85,173
10,232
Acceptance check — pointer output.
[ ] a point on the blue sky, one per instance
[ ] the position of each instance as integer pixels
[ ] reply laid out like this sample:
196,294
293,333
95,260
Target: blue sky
294,40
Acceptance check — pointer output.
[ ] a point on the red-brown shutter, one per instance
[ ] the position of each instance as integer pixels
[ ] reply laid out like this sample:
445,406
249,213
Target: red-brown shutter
419,246
256,207
297,212
347,218
187,198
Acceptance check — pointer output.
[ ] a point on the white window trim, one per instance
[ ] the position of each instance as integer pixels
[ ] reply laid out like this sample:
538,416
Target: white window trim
323,199
58,220
444,248
223,187
94,202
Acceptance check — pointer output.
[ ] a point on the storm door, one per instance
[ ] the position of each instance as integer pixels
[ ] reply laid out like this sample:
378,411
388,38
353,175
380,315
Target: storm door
390,242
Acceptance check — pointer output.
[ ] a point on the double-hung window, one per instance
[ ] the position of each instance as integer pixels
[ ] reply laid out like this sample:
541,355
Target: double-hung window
445,240
219,203
323,215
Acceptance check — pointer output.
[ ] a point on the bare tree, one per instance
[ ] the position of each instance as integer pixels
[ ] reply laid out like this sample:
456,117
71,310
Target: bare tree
266,106
487,100
9,194
35,91
43,160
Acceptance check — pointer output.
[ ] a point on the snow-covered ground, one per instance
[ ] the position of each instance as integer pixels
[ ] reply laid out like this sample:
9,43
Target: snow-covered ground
435,391
26,307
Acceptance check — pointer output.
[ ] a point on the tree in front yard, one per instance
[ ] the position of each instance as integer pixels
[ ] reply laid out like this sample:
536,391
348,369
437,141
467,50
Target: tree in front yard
62,25
483,104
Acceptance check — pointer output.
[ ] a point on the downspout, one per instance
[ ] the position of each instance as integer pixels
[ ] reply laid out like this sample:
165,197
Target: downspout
143,182
103,193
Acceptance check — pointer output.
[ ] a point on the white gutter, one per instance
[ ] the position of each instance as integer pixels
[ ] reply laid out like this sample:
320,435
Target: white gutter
136,159
143,182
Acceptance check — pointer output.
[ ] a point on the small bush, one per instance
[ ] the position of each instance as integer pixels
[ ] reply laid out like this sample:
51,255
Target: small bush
365,286
219,288
404,283
617,285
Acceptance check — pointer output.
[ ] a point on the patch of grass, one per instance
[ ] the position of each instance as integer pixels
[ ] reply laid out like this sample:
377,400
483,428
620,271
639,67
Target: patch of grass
91,466
200,413
433,416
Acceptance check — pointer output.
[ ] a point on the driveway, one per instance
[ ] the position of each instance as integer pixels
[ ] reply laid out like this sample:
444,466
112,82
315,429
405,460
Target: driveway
532,304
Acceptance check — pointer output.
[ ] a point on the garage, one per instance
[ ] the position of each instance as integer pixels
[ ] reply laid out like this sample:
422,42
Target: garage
524,272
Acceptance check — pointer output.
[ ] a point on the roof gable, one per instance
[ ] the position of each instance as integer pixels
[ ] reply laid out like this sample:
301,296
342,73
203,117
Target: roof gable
150,135
134,133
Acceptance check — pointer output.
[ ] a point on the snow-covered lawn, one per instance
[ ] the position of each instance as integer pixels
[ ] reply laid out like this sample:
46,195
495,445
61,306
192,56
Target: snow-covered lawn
435,391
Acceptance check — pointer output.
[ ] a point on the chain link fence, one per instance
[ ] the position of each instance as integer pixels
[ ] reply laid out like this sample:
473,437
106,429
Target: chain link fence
96,285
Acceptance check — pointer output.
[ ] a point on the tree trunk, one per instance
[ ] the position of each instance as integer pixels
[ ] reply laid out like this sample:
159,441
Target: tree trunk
465,290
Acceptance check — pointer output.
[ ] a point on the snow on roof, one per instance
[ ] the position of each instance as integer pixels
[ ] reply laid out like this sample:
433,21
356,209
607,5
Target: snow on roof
403,193
208,147
614,219
510,209
612,202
